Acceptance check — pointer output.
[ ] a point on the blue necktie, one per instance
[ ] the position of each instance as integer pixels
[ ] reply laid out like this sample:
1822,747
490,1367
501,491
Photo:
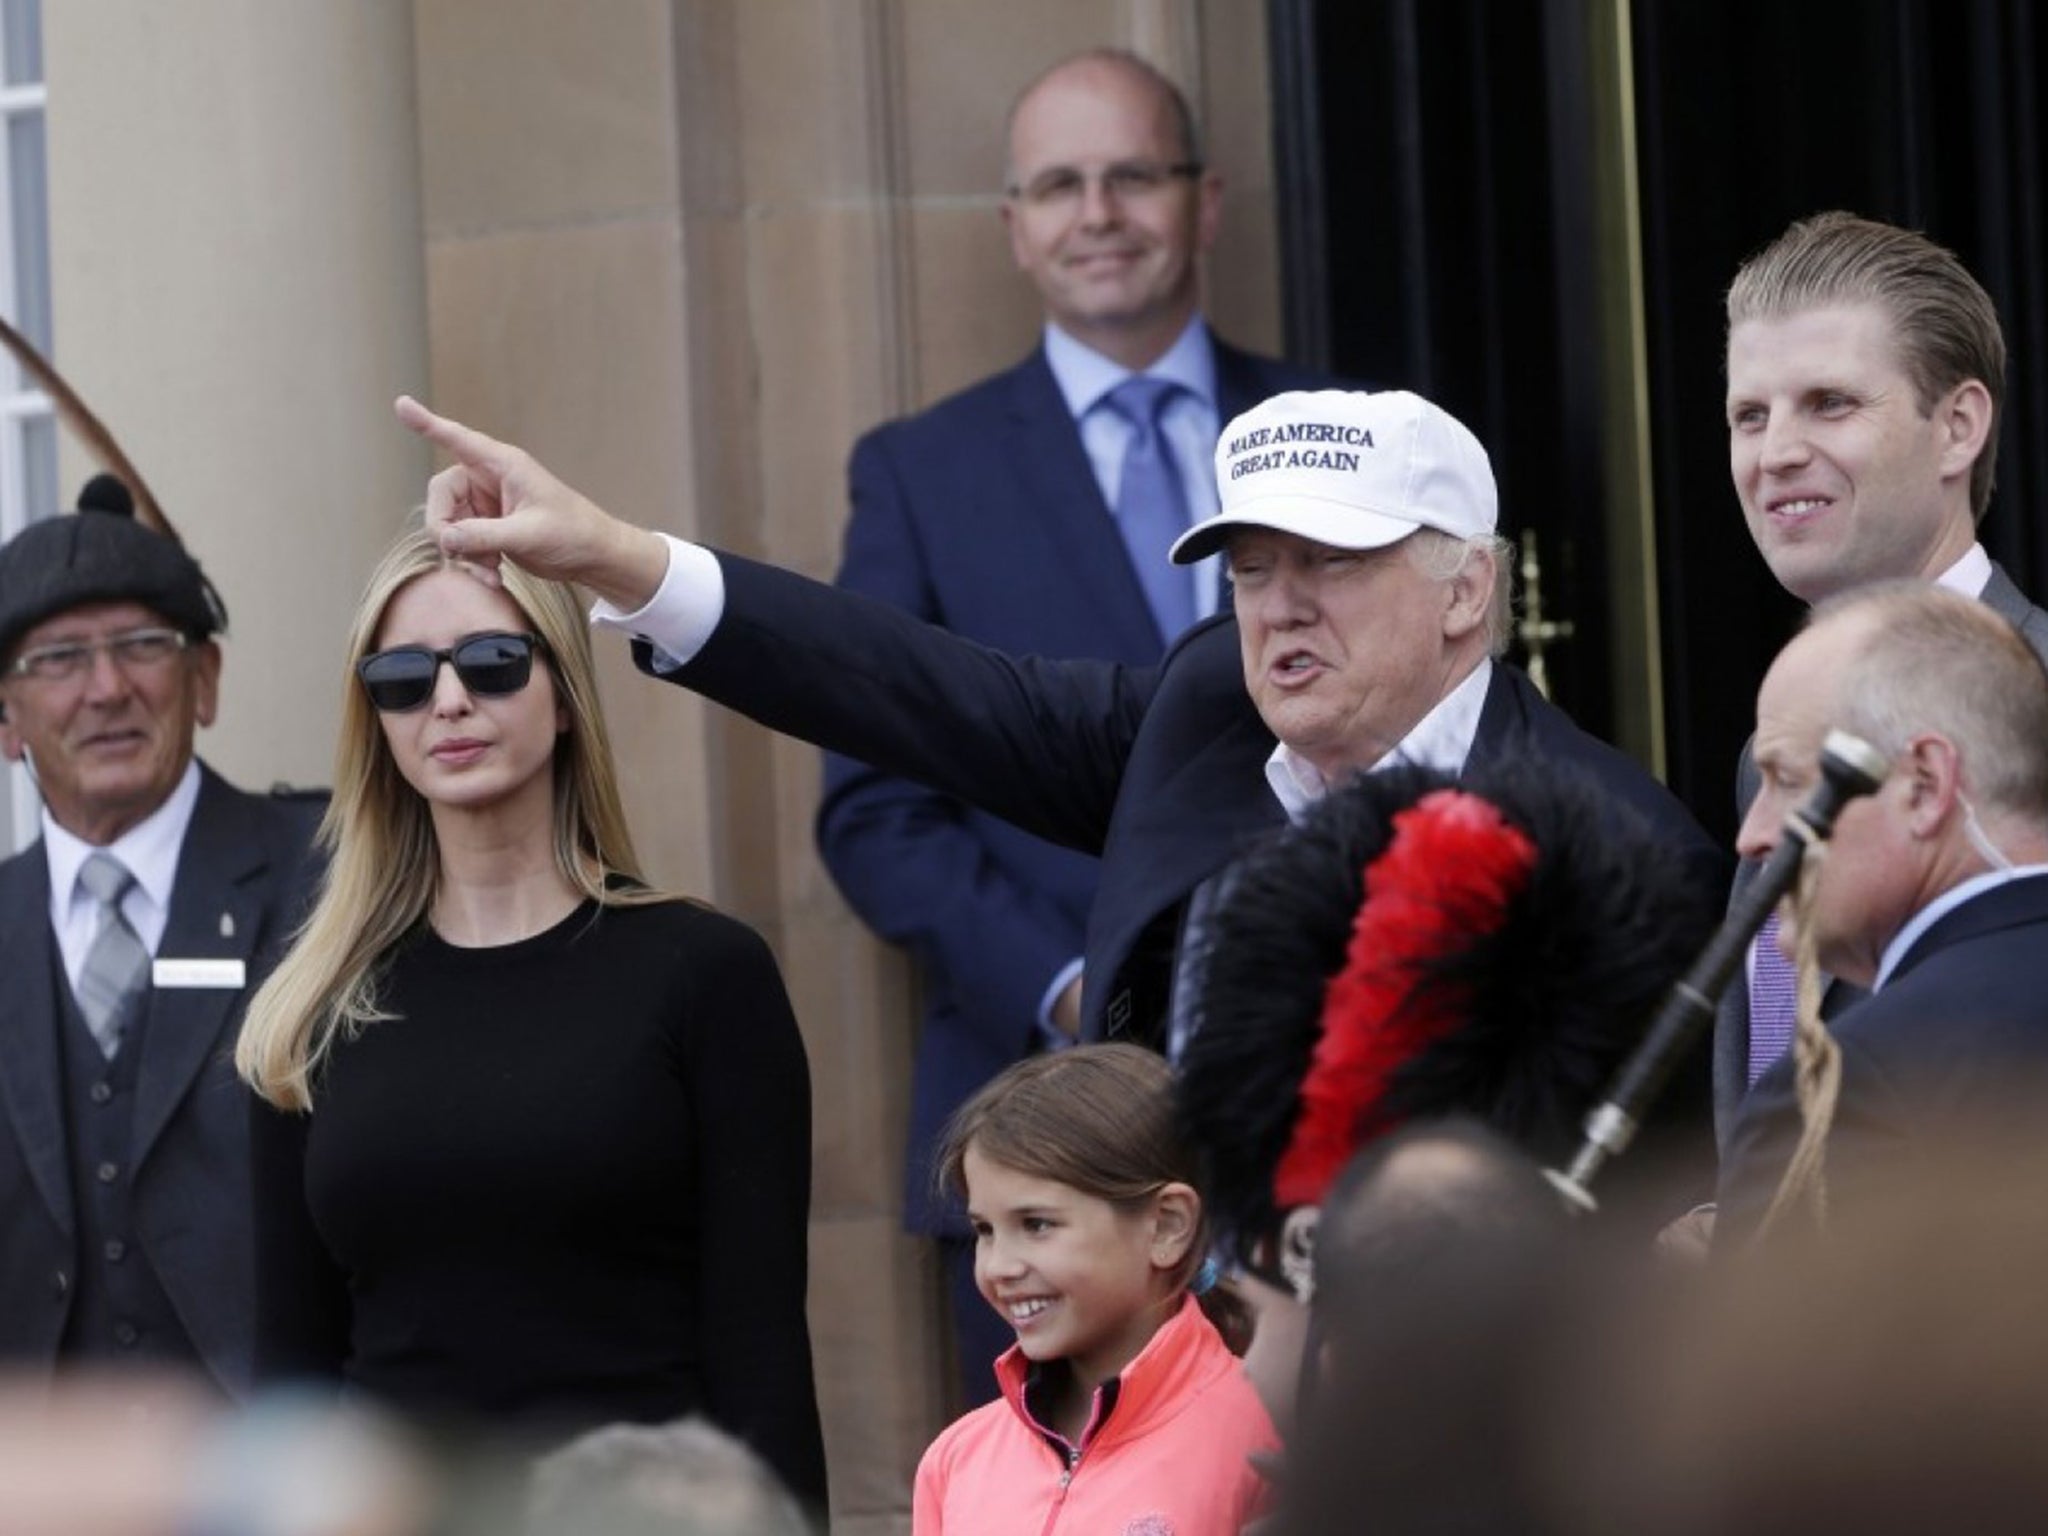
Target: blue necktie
1151,506
1773,1001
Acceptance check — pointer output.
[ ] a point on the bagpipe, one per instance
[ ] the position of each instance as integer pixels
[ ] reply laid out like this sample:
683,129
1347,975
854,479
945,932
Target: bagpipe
1849,769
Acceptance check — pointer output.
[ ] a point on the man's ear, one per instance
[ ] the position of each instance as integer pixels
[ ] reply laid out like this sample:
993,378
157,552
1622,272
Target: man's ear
1934,770
1020,253
1470,594
1208,209
1176,1214
1965,418
11,744
205,682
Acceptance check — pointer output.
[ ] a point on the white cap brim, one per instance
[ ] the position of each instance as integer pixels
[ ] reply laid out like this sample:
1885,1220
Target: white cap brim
1339,524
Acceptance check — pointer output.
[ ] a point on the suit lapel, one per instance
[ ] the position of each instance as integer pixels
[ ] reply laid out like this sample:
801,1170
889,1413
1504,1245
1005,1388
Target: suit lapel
1502,719
1051,468
1222,790
1240,381
2010,603
31,1076
2005,599
217,910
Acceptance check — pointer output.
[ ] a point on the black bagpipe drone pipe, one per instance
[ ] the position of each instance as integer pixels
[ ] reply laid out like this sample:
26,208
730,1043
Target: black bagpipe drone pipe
1849,768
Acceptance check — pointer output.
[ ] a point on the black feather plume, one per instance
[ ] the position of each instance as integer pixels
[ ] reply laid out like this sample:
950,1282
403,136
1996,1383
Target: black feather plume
1552,1001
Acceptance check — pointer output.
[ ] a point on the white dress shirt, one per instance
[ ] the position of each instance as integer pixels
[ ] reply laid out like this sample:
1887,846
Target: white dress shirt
149,849
1441,739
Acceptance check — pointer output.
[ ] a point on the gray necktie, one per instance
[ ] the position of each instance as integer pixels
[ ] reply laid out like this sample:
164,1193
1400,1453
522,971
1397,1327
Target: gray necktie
116,972
1151,505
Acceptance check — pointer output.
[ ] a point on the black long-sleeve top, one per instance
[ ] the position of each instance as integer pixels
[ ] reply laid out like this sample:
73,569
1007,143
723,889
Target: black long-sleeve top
566,1184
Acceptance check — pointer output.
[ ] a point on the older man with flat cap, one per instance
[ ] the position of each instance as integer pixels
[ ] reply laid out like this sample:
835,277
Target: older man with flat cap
130,934
1368,607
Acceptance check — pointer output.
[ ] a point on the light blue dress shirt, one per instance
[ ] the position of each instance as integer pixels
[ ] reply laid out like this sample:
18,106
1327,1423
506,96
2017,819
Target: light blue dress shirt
1190,424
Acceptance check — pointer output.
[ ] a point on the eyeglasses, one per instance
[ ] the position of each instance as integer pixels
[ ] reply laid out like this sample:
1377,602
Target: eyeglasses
1064,186
489,666
135,650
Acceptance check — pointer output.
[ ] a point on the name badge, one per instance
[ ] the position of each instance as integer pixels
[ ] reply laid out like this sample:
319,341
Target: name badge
229,974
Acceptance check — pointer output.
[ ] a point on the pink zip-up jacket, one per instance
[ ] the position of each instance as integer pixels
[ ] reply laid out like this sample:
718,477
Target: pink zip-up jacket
1164,1453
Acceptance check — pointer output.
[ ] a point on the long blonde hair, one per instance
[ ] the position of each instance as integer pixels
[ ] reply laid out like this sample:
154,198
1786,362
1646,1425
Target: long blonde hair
384,862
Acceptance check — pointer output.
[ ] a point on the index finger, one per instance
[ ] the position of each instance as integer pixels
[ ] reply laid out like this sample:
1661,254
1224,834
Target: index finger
465,444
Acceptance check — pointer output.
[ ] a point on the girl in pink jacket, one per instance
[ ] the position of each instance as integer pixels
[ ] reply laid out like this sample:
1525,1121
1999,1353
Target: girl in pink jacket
1123,1413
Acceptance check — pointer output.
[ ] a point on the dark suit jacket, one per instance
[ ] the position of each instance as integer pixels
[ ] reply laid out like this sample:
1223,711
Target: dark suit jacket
1160,769
1956,1031
1731,1018
245,859
983,515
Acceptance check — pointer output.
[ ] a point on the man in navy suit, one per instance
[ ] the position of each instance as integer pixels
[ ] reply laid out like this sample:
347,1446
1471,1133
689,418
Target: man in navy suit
130,934
1368,607
995,514
1932,895
1866,379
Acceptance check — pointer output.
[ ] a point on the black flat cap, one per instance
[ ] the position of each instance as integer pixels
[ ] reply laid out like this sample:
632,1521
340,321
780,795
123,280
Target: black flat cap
100,554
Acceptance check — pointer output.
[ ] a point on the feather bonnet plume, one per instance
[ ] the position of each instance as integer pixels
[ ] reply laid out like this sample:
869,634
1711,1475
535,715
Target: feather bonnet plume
1419,946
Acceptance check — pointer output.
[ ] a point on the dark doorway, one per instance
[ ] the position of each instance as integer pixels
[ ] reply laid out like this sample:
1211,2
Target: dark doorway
1440,230
1436,234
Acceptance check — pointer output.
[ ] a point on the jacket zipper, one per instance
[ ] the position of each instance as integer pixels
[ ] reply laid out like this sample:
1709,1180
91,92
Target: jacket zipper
1059,1499
1071,1454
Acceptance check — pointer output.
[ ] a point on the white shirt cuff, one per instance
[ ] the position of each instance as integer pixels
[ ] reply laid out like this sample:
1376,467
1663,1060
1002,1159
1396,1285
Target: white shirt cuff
684,610
1055,1037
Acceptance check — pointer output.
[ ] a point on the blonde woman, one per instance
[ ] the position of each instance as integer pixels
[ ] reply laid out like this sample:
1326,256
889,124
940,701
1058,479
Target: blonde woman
536,1141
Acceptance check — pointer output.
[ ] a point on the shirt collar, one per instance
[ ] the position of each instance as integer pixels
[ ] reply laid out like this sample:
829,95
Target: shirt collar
1084,375
1904,940
1970,575
1441,739
1183,1354
149,849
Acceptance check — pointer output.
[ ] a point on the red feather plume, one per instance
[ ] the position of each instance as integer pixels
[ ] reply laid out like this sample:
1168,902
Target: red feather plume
1447,875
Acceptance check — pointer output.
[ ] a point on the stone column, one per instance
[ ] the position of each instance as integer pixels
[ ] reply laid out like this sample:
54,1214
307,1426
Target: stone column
235,242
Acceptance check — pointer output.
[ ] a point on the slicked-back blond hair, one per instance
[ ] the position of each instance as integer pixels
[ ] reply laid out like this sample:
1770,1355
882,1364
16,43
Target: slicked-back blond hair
384,863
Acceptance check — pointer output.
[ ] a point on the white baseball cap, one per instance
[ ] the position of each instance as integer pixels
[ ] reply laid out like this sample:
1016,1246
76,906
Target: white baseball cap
1348,469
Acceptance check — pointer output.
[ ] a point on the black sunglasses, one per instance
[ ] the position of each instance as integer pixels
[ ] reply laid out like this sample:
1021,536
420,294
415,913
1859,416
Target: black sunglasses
487,665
